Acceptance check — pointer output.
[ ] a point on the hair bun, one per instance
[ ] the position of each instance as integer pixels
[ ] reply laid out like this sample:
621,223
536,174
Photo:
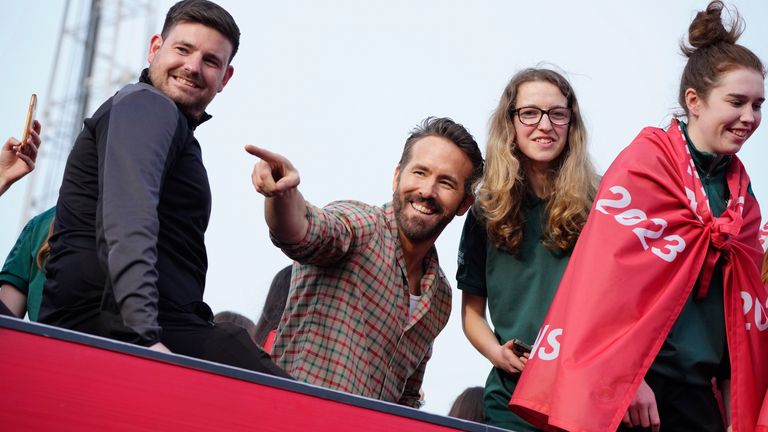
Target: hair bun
707,28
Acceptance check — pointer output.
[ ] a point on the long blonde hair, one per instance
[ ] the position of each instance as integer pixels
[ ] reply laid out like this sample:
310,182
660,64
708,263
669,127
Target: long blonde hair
571,182
765,268
45,249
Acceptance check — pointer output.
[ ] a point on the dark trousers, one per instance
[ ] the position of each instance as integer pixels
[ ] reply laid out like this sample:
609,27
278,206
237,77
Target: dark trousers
222,343
192,335
683,407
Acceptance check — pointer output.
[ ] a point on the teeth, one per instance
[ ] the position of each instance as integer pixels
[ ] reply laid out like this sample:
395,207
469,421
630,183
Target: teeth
739,133
421,208
543,140
186,82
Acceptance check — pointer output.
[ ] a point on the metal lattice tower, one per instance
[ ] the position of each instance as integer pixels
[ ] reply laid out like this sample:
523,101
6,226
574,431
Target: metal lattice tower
102,46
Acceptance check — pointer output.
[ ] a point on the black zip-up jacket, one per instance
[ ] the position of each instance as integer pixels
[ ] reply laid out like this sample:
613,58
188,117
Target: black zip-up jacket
128,250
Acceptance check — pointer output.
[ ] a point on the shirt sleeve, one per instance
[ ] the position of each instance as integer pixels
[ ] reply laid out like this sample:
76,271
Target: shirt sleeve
132,164
470,275
411,396
17,270
333,232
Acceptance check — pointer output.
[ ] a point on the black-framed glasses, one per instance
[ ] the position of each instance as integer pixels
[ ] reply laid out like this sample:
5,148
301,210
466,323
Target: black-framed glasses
531,116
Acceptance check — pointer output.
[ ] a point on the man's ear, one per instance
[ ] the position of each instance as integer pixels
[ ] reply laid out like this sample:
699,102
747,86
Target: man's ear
469,199
154,46
693,102
227,76
396,179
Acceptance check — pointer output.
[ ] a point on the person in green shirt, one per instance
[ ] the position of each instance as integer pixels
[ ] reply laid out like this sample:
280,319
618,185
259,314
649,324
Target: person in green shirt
535,195
23,275
722,90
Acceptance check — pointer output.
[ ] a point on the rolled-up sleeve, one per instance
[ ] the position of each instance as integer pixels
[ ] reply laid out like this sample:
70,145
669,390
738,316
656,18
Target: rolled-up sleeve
333,232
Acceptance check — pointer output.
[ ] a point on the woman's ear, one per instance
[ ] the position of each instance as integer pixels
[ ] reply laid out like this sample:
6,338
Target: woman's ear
693,102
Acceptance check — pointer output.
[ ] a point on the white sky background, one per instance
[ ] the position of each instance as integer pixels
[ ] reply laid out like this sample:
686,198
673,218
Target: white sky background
337,85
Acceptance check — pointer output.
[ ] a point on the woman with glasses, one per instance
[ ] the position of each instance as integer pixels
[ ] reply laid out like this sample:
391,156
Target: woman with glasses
534,198
663,292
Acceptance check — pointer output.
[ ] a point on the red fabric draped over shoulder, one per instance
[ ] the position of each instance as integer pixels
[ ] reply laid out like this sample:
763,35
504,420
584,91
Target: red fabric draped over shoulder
650,238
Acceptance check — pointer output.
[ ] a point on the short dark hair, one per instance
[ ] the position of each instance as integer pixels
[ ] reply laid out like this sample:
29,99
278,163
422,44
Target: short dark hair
444,127
206,13
469,405
237,319
274,305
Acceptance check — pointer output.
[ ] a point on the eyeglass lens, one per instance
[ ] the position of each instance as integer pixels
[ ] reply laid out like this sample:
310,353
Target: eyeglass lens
532,116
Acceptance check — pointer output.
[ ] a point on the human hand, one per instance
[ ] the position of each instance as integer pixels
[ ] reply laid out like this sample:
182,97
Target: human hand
422,400
643,410
504,358
273,174
159,347
16,160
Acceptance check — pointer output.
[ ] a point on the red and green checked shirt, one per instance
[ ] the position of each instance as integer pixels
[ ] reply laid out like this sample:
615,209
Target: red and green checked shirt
346,325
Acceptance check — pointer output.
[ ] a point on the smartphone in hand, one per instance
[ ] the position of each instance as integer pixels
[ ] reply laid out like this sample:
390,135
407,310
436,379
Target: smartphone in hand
520,348
30,119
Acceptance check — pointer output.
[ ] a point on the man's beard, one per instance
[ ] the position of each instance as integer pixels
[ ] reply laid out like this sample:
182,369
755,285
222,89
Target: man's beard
414,228
189,104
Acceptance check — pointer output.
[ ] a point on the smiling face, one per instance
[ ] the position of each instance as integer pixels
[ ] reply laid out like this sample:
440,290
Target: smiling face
429,189
722,122
190,65
541,143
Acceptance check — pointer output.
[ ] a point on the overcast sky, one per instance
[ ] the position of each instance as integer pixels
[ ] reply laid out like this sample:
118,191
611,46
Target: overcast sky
337,85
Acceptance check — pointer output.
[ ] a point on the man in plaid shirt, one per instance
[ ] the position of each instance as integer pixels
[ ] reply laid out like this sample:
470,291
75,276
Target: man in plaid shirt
367,295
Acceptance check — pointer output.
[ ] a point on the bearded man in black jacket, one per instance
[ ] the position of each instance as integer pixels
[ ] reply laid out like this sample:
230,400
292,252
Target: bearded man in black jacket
128,258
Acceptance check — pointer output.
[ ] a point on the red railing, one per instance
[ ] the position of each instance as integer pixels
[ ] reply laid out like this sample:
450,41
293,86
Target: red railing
56,380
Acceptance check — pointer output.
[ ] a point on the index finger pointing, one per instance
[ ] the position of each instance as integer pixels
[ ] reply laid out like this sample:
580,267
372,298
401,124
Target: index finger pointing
263,154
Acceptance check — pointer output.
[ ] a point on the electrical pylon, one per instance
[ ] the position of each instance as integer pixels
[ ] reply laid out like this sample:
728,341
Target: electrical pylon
101,46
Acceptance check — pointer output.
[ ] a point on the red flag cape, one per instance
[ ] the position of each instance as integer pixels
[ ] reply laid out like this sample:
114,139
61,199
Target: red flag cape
762,423
650,238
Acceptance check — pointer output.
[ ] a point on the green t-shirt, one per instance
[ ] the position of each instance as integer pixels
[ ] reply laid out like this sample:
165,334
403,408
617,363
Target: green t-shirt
519,290
20,268
696,348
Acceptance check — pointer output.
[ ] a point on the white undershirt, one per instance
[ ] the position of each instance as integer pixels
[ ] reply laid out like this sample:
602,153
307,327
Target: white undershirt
414,302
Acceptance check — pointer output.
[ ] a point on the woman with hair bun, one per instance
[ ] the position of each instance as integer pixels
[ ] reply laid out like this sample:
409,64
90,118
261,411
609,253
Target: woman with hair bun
663,293
534,198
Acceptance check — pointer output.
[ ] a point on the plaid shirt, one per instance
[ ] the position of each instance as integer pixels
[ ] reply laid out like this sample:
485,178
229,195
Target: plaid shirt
346,325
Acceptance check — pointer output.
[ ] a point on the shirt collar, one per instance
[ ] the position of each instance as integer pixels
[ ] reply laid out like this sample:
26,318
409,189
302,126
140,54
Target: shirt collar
706,163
